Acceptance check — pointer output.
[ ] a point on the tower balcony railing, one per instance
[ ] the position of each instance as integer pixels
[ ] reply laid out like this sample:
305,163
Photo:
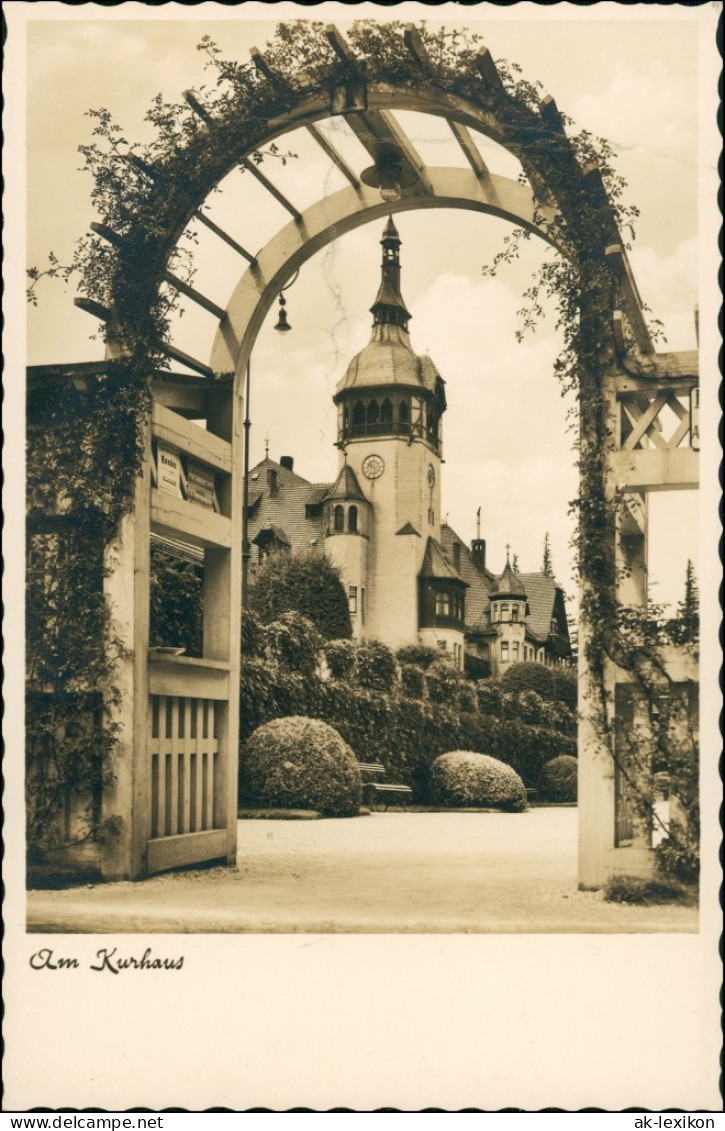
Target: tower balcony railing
387,428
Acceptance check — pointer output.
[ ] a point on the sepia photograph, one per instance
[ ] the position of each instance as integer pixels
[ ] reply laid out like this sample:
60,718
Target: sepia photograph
359,543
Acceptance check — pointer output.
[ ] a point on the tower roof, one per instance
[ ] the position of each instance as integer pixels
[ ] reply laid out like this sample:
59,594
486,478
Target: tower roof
389,358
345,486
508,584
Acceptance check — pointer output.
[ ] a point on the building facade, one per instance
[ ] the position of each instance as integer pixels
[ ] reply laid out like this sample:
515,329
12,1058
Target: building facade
409,578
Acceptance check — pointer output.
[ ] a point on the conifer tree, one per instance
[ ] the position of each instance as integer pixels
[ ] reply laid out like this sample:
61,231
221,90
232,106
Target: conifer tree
688,609
546,566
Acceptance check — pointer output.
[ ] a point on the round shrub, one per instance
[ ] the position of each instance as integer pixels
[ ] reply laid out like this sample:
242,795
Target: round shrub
300,763
412,681
566,687
462,778
376,667
559,779
529,676
341,658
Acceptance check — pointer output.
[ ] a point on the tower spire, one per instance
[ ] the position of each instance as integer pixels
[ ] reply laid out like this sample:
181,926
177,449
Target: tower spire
389,308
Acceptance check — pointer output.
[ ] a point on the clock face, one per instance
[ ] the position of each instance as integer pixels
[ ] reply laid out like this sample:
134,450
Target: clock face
431,475
373,467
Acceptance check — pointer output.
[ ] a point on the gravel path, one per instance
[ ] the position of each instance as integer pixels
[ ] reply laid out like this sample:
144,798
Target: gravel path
388,872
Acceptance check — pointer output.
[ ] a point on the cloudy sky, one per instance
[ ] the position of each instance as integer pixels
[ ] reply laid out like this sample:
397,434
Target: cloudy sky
506,443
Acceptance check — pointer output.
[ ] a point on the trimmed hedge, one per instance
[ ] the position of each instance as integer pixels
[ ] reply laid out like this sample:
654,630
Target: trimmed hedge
422,655
465,778
341,656
443,681
559,779
402,728
293,642
376,667
300,763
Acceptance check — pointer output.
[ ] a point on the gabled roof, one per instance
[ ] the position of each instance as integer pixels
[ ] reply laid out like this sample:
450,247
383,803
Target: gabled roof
436,566
287,508
346,486
479,582
541,592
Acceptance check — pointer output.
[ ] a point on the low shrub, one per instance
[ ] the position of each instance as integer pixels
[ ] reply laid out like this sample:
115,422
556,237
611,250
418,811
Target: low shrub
376,667
341,656
300,763
462,778
676,856
646,892
559,779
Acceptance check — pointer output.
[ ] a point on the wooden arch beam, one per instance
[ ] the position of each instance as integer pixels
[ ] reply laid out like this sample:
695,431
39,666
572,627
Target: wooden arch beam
335,216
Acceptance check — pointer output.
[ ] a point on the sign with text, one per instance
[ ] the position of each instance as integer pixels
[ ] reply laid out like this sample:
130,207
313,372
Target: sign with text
200,484
168,464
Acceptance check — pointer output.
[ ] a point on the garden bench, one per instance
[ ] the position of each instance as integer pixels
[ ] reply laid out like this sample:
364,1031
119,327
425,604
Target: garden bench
381,788
374,789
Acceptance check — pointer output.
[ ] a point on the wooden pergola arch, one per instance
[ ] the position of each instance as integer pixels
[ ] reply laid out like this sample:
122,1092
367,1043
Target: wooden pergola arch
177,798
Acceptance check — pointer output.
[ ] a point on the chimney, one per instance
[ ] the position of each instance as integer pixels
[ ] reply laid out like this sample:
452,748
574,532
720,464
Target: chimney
478,553
287,462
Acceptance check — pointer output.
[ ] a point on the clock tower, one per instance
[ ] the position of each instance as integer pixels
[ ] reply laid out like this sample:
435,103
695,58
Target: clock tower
390,404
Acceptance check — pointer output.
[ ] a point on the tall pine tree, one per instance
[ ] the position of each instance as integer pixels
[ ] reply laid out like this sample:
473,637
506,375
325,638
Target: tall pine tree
546,567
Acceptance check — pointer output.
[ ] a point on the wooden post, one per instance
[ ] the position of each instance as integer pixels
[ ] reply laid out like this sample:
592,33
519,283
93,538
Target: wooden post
127,589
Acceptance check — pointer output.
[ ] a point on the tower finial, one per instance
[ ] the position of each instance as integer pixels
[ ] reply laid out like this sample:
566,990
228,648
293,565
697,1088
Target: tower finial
266,446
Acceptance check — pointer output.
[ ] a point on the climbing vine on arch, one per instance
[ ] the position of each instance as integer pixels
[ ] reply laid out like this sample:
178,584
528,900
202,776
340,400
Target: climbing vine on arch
146,196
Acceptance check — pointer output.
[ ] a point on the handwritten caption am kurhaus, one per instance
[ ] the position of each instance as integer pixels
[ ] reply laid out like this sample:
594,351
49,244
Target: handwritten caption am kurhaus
106,959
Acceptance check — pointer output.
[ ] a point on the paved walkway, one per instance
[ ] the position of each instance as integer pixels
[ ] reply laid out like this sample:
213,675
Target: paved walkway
387,872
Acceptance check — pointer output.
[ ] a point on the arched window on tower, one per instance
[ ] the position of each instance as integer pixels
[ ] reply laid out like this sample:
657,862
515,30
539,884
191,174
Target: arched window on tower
345,420
386,412
404,415
358,419
373,416
352,520
339,519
